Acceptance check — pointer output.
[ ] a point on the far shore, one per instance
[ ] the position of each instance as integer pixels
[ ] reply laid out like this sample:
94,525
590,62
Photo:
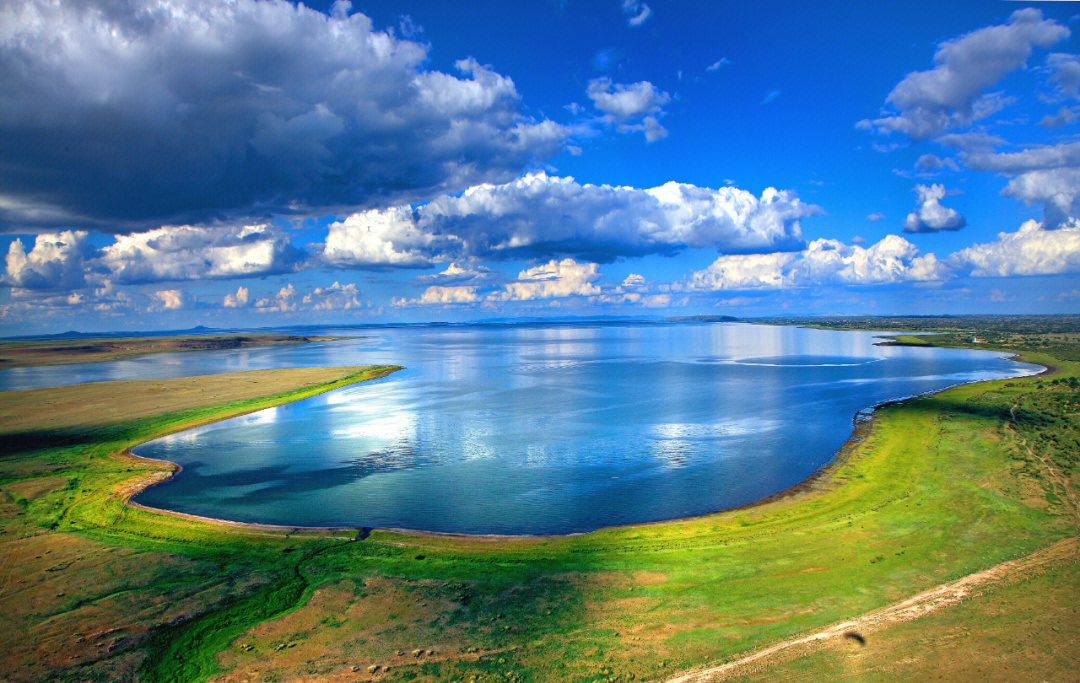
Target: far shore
36,353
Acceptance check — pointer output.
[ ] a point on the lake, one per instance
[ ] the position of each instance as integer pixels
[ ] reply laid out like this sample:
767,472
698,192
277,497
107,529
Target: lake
534,429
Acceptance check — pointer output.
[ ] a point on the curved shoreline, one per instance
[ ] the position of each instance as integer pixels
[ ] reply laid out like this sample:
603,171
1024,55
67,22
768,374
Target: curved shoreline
862,420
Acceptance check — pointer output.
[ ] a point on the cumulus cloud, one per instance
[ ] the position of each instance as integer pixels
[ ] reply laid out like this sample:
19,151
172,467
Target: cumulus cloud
1055,189
66,261
634,289
443,295
336,297
285,300
954,93
238,300
55,262
630,108
456,274
72,303
168,299
377,238
552,280
929,215
637,12
540,216
1047,175
130,115
1031,250
190,253
824,261
875,217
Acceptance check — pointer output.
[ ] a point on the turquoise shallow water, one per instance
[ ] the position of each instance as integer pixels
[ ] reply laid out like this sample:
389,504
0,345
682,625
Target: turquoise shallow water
538,429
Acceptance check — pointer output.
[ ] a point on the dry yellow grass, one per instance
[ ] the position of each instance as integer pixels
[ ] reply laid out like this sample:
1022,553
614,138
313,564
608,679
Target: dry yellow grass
111,403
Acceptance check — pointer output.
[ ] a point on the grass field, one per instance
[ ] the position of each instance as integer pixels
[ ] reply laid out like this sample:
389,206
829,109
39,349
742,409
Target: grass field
934,489
25,353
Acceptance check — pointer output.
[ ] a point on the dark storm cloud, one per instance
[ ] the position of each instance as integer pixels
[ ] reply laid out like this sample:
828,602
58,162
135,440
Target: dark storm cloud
129,115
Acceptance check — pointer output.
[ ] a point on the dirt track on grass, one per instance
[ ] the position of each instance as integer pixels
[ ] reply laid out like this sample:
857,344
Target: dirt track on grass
945,595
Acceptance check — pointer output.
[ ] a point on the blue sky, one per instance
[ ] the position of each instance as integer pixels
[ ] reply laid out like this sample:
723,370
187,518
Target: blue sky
267,164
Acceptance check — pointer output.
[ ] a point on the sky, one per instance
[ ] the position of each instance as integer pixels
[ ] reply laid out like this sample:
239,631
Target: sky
260,163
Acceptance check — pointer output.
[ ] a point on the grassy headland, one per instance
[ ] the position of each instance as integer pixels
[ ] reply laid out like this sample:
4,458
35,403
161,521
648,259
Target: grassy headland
25,353
933,489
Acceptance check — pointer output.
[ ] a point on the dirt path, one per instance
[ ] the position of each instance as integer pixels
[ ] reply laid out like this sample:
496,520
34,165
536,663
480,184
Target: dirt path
1056,480
945,595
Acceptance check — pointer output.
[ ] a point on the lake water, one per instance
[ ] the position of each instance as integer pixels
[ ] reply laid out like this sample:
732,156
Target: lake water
534,429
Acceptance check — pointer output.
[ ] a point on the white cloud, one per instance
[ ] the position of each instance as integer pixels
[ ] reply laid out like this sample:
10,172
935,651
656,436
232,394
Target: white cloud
174,253
336,297
744,271
108,299
1056,189
1031,250
639,298
875,217
634,290
382,237
284,301
455,273
929,215
1046,175
624,102
636,11
953,93
238,300
130,115
630,108
190,253
552,280
544,216
891,260
718,64
56,261
169,299
443,295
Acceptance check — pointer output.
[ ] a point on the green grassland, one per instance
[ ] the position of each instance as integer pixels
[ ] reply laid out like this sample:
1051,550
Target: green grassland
931,490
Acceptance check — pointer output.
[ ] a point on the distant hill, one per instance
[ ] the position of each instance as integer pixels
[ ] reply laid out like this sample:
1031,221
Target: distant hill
702,319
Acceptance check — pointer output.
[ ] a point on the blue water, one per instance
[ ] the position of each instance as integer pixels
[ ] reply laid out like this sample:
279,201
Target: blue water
534,429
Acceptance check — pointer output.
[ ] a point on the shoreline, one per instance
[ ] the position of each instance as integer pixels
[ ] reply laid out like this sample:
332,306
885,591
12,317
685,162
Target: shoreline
862,426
